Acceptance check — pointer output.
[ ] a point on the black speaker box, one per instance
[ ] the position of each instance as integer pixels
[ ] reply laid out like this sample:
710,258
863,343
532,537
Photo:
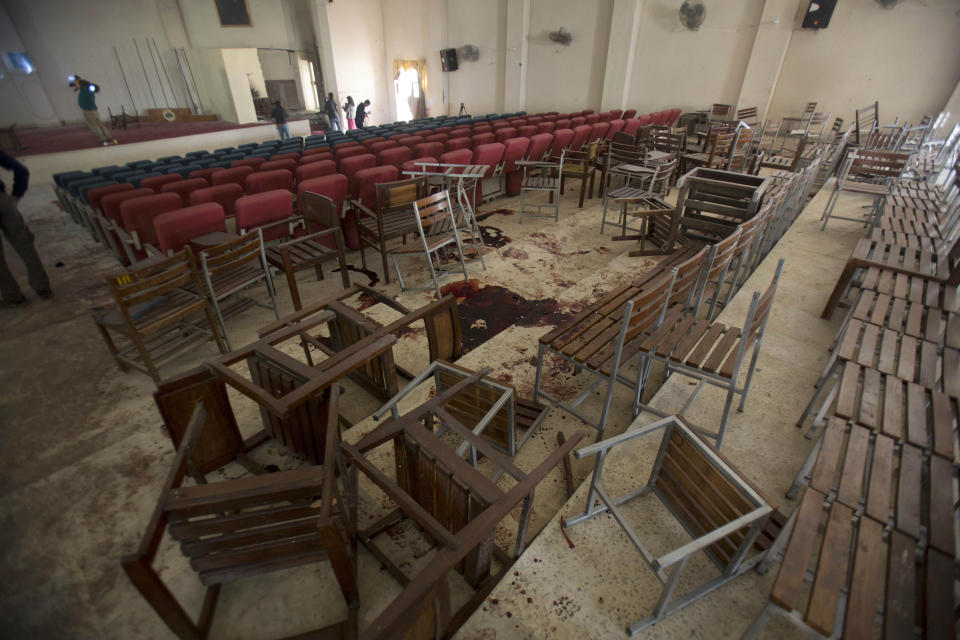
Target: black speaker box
448,59
818,14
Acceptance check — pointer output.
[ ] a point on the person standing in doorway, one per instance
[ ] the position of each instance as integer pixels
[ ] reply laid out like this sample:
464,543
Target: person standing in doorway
87,100
348,110
279,115
362,113
330,108
15,230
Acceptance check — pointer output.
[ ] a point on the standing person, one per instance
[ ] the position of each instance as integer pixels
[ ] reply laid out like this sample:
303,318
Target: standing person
279,115
330,107
14,229
362,113
348,110
87,100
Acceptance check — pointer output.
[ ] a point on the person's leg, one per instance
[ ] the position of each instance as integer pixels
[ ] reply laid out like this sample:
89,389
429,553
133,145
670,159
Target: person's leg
93,121
335,123
9,289
284,131
21,239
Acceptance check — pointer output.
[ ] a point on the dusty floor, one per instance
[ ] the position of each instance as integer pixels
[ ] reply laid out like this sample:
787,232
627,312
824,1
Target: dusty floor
85,452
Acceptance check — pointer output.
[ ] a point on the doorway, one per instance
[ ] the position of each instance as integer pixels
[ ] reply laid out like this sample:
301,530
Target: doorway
407,86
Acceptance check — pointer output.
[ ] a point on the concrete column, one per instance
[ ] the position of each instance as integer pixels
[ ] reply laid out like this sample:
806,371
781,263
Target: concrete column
621,51
766,58
953,106
321,30
515,59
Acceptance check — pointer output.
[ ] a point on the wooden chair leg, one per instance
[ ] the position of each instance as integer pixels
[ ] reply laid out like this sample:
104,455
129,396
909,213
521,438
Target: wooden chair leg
111,346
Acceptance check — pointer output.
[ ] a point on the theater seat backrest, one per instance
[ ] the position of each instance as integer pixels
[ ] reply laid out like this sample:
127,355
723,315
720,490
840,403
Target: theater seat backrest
482,138
424,149
236,175
561,140
352,165
260,209
155,182
454,144
225,195
273,165
262,181
540,144
364,182
581,135
315,170
394,157
95,196
176,228
183,188
488,155
137,215
513,150
457,156
110,203
334,186
615,126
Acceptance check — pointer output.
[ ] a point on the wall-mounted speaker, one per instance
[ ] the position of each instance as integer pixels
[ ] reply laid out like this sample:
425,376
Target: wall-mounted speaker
818,14
448,59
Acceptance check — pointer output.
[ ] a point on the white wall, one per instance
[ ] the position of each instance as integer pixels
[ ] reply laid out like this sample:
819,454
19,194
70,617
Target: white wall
213,85
906,57
480,84
243,71
357,38
275,26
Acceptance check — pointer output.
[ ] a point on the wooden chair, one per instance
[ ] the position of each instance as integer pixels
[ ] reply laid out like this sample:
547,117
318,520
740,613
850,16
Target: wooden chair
710,352
745,155
749,116
718,150
249,526
580,165
720,509
231,267
311,251
643,199
460,527
720,112
393,217
543,181
122,119
866,119
870,173
159,309
601,341
617,154
436,232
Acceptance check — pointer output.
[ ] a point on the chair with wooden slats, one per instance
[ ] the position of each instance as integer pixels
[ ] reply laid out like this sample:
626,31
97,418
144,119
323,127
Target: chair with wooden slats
436,234
709,352
310,251
642,199
866,120
231,267
393,217
160,310
600,341
718,150
868,173
715,504
618,154
748,116
580,165
457,508
248,526
742,260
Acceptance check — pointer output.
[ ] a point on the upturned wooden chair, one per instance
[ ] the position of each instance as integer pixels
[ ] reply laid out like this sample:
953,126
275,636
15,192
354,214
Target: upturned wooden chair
643,199
393,217
311,251
460,527
160,310
248,526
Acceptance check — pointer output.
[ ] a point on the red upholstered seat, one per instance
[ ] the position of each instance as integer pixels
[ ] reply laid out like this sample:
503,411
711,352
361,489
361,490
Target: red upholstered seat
461,132
562,123
273,165
646,119
223,194
410,141
394,157
615,126
95,196
236,175
581,135
546,127
457,156
482,138
356,163
253,163
561,140
592,119
454,144
206,174
137,215
540,145
335,187
526,131
514,149
586,112
631,126
110,203
443,130
155,182
606,116
598,131
377,147
371,141
412,165
488,155
350,152
176,228
616,114
269,181
425,149
263,208
481,127
183,188
315,151
505,133
315,170
577,121
292,155
628,114
535,120
396,136
437,137
364,183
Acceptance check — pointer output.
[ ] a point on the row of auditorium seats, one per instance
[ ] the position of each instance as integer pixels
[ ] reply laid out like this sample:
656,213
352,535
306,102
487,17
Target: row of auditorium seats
164,209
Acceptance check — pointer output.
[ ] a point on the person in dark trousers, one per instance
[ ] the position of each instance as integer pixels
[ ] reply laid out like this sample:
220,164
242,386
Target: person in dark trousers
362,113
14,229
279,115
330,108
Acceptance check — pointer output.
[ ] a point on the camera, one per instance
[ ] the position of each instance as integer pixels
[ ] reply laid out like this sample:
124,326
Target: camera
78,83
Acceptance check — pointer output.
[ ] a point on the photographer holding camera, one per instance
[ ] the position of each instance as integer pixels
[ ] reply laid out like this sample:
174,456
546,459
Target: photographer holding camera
88,104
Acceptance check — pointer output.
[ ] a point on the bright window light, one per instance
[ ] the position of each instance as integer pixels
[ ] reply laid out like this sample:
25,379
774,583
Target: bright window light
19,61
